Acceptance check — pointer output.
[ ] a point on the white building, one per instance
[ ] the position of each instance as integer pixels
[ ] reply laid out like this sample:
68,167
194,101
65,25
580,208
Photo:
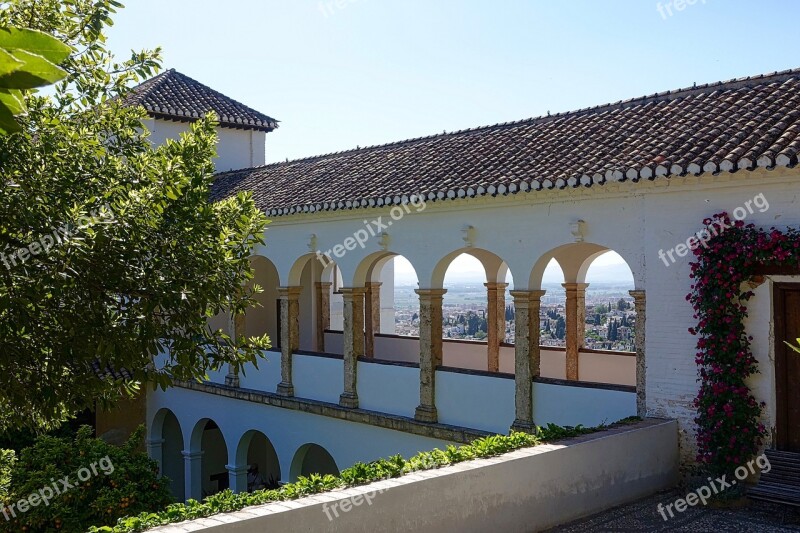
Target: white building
637,177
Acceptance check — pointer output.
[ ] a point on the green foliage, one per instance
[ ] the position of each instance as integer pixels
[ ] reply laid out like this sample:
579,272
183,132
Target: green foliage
110,251
358,474
7,460
28,59
115,482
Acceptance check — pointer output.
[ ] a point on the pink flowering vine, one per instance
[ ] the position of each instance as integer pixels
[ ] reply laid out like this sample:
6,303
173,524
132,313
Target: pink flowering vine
728,416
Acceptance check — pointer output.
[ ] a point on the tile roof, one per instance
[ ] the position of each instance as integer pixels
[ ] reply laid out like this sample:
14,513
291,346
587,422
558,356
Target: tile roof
719,127
175,96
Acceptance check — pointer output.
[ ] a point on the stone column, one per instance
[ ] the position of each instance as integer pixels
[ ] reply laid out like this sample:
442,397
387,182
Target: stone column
496,322
237,478
323,292
372,315
576,325
527,356
290,335
239,333
353,343
193,475
154,451
640,301
430,351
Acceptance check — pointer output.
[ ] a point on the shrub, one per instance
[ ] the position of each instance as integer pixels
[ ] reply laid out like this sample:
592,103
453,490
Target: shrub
108,482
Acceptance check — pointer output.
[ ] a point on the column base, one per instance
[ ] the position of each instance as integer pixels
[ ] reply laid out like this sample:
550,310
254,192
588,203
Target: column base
285,389
349,400
426,413
524,426
232,380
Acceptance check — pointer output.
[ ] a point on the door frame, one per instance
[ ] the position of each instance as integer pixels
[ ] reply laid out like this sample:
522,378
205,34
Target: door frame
781,370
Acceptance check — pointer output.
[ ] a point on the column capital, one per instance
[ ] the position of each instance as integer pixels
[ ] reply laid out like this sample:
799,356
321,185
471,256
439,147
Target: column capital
575,286
524,297
638,295
430,294
192,456
236,470
495,285
373,284
322,284
350,292
154,442
289,293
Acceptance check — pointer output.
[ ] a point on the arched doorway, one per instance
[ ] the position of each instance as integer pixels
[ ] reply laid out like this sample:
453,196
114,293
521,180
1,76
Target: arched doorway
167,451
256,452
313,459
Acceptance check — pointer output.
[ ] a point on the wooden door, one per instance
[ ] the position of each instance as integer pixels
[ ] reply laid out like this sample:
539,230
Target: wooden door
787,366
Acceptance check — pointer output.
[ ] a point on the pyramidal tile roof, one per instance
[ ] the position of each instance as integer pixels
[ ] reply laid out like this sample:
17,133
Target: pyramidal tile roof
175,96
740,124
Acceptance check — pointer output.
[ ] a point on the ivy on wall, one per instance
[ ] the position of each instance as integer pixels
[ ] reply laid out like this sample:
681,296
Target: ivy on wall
728,416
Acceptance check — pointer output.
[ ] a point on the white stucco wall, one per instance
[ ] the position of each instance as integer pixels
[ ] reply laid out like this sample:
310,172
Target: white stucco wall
287,429
236,148
388,389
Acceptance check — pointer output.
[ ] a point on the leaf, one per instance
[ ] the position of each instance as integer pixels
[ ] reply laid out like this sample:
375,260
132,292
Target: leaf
35,42
8,63
36,72
12,100
7,122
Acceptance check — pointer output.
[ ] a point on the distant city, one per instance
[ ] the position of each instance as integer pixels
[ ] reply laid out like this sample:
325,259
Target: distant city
610,316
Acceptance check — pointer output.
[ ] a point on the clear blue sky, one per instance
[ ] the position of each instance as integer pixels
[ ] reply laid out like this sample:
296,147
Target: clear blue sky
376,71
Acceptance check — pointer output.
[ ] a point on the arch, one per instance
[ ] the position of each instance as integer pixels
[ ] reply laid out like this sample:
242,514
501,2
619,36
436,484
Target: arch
296,272
495,268
312,459
574,260
610,322
166,432
262,319
256,449
207,438
373,269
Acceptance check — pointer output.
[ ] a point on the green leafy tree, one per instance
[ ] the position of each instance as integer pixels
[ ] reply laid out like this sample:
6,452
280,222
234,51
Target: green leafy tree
110,251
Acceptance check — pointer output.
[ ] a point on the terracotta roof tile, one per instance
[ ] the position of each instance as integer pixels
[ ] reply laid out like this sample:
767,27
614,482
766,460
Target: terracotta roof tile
721,127
175,96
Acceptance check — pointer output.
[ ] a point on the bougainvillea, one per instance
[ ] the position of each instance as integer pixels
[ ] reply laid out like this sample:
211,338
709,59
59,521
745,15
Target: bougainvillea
728,416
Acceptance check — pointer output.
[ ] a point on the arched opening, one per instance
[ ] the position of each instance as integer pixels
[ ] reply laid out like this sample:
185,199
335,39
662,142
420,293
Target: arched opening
307,273
313,459
477,314
262,319
263,469
597,314
404,309
554,325
214,475
166,432
610,313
